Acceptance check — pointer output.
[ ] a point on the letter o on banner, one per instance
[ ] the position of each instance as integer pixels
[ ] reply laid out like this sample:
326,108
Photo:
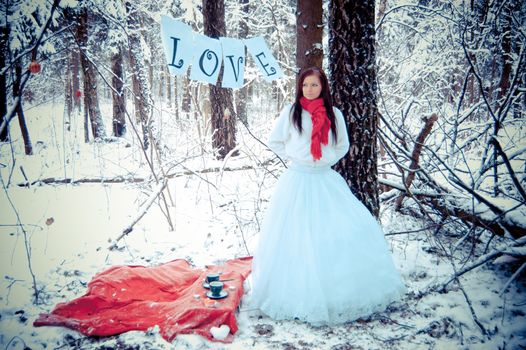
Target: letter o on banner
211,60
207,60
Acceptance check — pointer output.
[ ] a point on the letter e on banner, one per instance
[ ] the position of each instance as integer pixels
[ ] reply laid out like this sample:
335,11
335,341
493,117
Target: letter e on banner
234,62
177,43
264,59
207,60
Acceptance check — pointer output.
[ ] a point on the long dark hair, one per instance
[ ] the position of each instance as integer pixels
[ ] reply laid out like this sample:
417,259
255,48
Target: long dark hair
325,94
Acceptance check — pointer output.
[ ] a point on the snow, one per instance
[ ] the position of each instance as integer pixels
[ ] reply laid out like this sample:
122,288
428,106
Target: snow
71,226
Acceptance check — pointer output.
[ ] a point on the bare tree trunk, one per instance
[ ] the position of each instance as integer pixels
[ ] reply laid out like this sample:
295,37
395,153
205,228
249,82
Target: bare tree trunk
4,36
176,98
241,94
504,83
86,119
68,94
382,6
72,89
162,85
415,155
309,31
353,84
168,88
75,75
91,99
223,115
20,112
119,105
141,88
187,98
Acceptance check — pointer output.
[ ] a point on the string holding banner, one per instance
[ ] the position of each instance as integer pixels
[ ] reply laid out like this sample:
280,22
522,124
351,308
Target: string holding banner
183,46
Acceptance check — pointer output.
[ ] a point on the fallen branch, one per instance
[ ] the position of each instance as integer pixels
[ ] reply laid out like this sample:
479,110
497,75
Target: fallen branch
415,157
506,161
515,248
466,297
495,223
471,309
157,192
515,274
128,179
69,180
501,250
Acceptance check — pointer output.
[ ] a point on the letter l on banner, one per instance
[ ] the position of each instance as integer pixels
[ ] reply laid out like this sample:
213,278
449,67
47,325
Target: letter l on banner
177,42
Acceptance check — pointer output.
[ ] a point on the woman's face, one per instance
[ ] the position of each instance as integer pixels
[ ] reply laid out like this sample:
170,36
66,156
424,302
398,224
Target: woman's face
311,87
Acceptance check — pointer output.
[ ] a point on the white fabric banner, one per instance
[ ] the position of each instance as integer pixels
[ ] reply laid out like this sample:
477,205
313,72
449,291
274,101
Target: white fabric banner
207,59
177,42
263,57
234,62
182,47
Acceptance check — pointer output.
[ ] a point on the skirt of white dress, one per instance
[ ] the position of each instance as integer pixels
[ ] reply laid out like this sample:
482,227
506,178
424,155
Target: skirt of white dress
321,256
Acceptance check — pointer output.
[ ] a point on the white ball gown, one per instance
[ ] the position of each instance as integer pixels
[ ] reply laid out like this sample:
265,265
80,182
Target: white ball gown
321,256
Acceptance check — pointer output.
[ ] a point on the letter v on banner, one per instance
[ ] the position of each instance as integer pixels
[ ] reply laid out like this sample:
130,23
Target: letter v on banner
234,62
177,42
263,57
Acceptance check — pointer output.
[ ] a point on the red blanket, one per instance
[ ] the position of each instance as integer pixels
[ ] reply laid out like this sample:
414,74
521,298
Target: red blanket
125,298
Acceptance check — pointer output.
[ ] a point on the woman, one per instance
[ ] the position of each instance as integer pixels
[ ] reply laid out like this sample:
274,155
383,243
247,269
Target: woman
321,256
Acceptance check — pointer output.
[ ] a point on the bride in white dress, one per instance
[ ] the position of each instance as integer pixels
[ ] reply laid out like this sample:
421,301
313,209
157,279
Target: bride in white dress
321,256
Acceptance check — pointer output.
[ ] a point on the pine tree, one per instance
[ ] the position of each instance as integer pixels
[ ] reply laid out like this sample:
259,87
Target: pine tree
309,31
353,84
91,100
141,87
4,37
223,114
119,105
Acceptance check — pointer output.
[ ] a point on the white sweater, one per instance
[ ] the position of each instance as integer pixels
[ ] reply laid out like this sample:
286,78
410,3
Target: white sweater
288,143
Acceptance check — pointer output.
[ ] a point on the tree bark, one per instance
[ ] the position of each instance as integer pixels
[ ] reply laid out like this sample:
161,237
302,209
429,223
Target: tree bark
119,105
176,98
187,90
309,31
141,88
241,94
28,148
353,84
415,155
223,115
72,99
4,38
75,76
91,99
68,94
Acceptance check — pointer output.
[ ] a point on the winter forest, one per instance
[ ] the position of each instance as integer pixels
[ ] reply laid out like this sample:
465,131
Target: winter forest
106,159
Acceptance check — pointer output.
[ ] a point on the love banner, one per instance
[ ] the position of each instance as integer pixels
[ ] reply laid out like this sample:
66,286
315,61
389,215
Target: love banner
184,47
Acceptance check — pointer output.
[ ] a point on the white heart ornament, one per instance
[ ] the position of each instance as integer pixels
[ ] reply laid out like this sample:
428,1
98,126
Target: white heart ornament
220,333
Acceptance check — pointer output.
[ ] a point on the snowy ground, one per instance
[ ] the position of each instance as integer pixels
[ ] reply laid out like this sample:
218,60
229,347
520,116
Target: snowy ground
69,228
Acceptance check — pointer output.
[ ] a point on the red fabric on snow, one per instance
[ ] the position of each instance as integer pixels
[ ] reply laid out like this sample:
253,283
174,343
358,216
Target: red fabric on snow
125,298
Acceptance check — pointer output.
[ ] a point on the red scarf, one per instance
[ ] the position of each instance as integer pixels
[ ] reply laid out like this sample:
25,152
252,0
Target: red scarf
320,124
